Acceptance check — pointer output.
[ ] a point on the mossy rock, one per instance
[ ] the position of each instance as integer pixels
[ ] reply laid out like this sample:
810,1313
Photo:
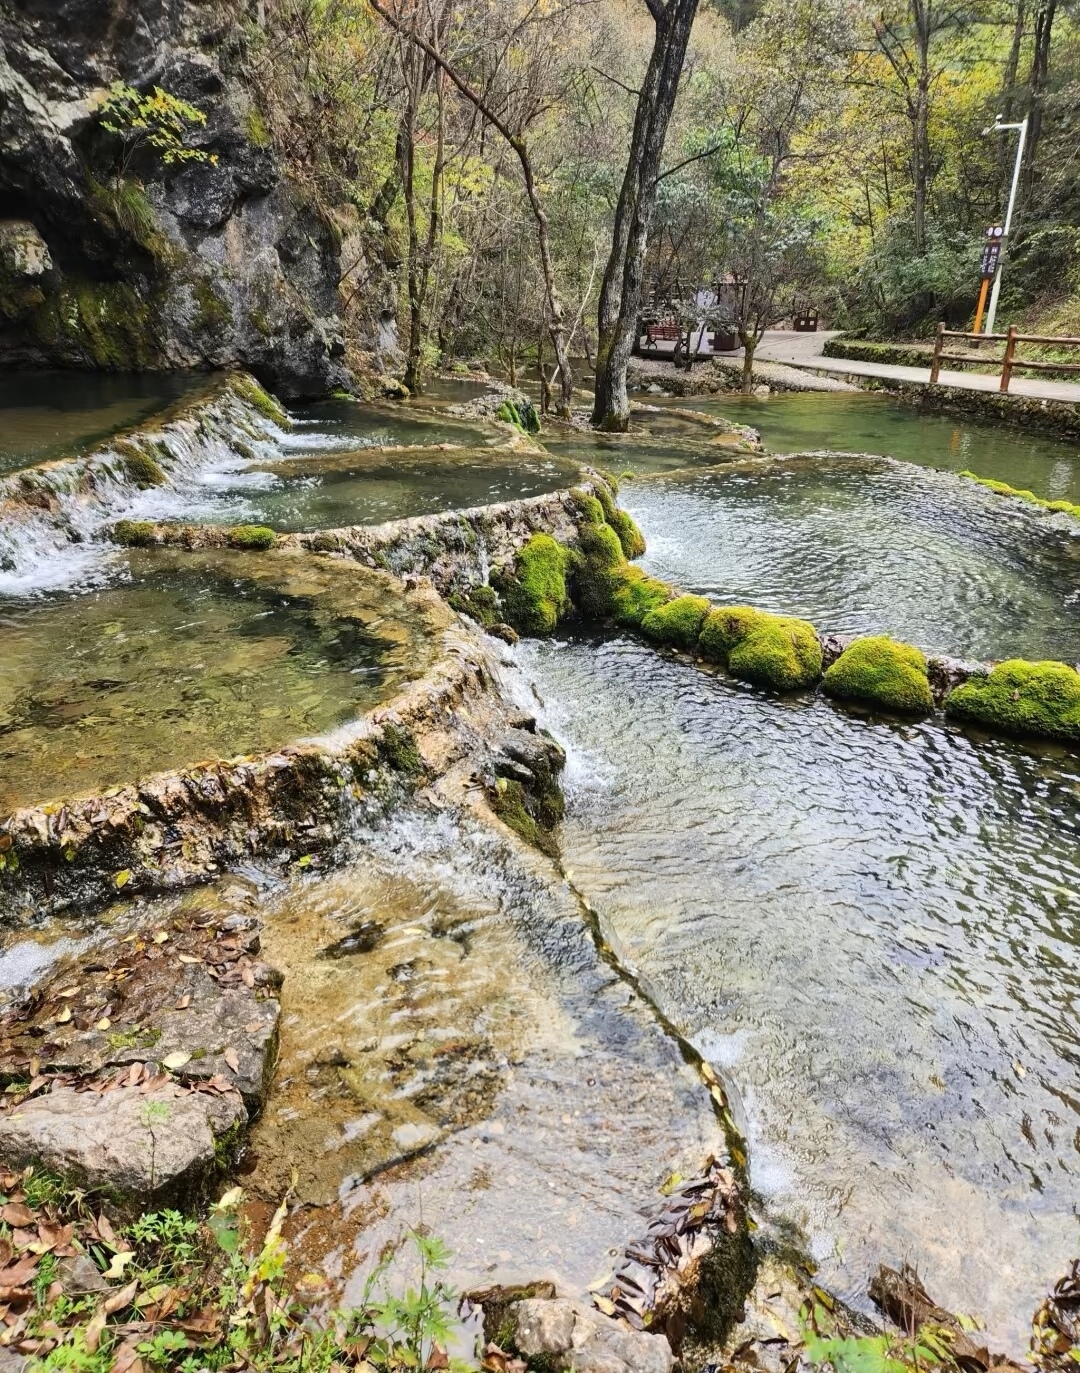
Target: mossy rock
256,536
133,533
678,623
399,748
588,507
480,603
143,469
248,389
1019,697
774,651
535,596
636,595
630,536
510,802
882,672
599,558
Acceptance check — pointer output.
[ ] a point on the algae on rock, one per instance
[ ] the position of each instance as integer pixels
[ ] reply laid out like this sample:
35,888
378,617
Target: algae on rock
1022,698
882,672
775,651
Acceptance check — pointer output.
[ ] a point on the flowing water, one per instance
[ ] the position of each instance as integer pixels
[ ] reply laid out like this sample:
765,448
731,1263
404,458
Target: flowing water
186,656
872,926
46,415
870,547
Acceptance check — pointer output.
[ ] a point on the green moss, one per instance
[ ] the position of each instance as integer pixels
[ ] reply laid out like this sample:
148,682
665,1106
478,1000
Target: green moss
247,388
588,507
630,536
883,673
635,594
255,536
774,651
1021,493
509,801
399,748
678,623
255,128
600,557
534,596
103,324
1022,698
133,533
213,315
140,467
479,603
508,413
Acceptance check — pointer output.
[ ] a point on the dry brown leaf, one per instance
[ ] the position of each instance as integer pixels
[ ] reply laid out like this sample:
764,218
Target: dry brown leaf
248,978
232,1058
15,1214
93,1331
183,1003
127,1357
120,1299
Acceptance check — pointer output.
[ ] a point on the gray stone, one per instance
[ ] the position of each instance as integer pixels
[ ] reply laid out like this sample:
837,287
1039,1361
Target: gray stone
144,1146
79,1276
579,1337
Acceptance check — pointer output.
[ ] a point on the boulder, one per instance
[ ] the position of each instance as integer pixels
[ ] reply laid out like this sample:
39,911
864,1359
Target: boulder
145,1147
575,1336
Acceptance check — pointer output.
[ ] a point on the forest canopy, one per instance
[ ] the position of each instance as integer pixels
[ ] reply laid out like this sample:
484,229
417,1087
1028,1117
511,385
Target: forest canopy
834,154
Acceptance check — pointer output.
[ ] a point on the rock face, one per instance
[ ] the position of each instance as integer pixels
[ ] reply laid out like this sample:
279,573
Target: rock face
147,1146
148,266
573,1336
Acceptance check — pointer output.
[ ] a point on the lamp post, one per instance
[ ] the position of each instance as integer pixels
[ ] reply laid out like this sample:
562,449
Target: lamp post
999,127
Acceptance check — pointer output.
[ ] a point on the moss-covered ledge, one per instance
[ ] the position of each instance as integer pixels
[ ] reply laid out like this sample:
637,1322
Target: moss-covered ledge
54,502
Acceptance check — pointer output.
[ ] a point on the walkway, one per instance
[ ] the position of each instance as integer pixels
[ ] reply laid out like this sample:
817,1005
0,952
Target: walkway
804,350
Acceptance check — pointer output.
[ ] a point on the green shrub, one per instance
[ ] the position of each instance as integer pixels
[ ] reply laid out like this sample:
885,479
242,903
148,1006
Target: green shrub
678,622
534,596
775,651
133,533
251,536
1022,698
884,673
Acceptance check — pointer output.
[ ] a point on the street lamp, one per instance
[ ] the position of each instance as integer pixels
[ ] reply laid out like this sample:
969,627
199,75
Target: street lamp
999,127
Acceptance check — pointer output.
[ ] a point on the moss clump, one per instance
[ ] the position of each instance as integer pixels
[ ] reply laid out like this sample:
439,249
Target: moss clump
103,324
480,603
588,507
255,536
509,801
884,673
247,388
255,128
508,413
1022,698
678,623
144,470
535,595
399,748
630,536
133,533
606,585
635,595
774,651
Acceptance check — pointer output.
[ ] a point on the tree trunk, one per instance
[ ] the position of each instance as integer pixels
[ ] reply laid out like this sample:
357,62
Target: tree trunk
1008,97
620,295
1040,70
749,342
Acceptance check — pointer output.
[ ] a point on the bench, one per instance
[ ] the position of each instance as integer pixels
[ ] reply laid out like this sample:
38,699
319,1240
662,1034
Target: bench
657,333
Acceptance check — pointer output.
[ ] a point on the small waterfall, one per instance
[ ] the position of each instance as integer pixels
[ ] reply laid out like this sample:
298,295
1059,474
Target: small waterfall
52,516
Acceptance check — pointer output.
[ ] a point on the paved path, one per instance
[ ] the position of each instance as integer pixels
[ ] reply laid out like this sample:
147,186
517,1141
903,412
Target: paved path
804,350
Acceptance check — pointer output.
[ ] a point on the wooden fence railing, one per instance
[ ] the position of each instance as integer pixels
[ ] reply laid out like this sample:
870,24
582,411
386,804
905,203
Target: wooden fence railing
1010,363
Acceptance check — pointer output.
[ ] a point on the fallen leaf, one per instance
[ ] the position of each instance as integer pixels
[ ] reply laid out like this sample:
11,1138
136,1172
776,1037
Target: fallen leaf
14,1214
232,1058
127,1357
122,878
94,1330
183,1003
161,936
188,958
103,1024
438,1358
68,992
64,1016
120,1299
248,978
604,1304
119,1262
175,1061
105,1230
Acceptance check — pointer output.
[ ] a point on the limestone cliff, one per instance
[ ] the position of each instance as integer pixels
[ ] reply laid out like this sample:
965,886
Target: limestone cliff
208,264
